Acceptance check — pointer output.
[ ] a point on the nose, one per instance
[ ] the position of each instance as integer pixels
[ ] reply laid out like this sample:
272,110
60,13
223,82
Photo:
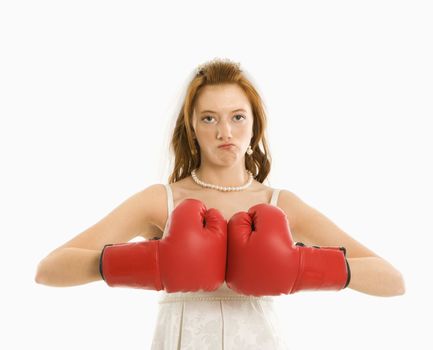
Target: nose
224,131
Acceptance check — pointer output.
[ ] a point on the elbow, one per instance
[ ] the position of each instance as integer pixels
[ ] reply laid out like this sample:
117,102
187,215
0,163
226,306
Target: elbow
41,273
397,286
396,283
401,290
38,279
45,269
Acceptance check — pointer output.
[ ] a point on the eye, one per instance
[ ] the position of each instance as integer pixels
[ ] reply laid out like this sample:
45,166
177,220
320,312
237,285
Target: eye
208,116
237,115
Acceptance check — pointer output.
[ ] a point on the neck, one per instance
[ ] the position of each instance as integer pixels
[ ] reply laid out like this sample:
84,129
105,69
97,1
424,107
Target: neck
223,176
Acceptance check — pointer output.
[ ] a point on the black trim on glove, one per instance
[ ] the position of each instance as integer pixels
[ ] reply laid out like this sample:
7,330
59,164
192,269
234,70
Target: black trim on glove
348,267
100,261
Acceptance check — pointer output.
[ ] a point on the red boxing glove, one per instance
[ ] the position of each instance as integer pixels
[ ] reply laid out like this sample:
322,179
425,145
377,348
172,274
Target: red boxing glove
192,257
262,259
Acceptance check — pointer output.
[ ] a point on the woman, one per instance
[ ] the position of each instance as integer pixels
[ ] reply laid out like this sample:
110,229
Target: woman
218,242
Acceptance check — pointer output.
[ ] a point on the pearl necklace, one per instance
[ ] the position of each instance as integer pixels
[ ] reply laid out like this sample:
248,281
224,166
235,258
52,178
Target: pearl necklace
222,188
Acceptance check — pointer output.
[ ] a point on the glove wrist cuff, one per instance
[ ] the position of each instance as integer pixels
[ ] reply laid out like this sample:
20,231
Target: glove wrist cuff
132,265
322,268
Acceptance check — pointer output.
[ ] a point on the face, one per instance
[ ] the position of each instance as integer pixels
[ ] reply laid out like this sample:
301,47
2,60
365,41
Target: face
222,114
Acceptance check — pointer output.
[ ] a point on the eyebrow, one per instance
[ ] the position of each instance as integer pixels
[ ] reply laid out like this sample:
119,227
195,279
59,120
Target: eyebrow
236,110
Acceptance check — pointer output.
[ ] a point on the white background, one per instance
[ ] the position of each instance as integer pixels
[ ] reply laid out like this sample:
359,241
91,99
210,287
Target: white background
88,94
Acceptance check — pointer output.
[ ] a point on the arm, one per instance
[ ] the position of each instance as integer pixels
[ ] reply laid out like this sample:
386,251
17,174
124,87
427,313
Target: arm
375,276
370,273
77,261
69,267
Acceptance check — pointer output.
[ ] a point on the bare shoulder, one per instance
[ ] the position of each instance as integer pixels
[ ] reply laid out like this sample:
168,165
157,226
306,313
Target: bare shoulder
289,202
312,227
154,199
151,201
129,219
148,205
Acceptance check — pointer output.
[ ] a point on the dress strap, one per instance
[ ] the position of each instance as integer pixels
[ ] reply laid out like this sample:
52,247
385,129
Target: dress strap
170,205
169,199
274,198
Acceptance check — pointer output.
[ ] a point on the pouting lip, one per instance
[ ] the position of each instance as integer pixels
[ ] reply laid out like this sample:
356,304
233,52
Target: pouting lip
226,144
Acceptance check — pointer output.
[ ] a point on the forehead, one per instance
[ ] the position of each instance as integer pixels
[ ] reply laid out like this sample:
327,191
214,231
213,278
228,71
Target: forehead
226,97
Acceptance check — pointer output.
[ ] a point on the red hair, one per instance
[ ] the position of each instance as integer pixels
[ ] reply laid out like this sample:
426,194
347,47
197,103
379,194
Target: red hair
187,150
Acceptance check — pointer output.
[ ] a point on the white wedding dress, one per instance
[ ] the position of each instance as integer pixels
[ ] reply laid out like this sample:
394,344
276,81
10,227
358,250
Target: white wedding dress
222,319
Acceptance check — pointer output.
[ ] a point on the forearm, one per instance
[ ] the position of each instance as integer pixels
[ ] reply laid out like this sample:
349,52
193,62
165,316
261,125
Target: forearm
69,267
375,276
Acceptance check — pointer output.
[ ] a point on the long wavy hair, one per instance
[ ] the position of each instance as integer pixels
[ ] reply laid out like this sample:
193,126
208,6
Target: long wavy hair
186,149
